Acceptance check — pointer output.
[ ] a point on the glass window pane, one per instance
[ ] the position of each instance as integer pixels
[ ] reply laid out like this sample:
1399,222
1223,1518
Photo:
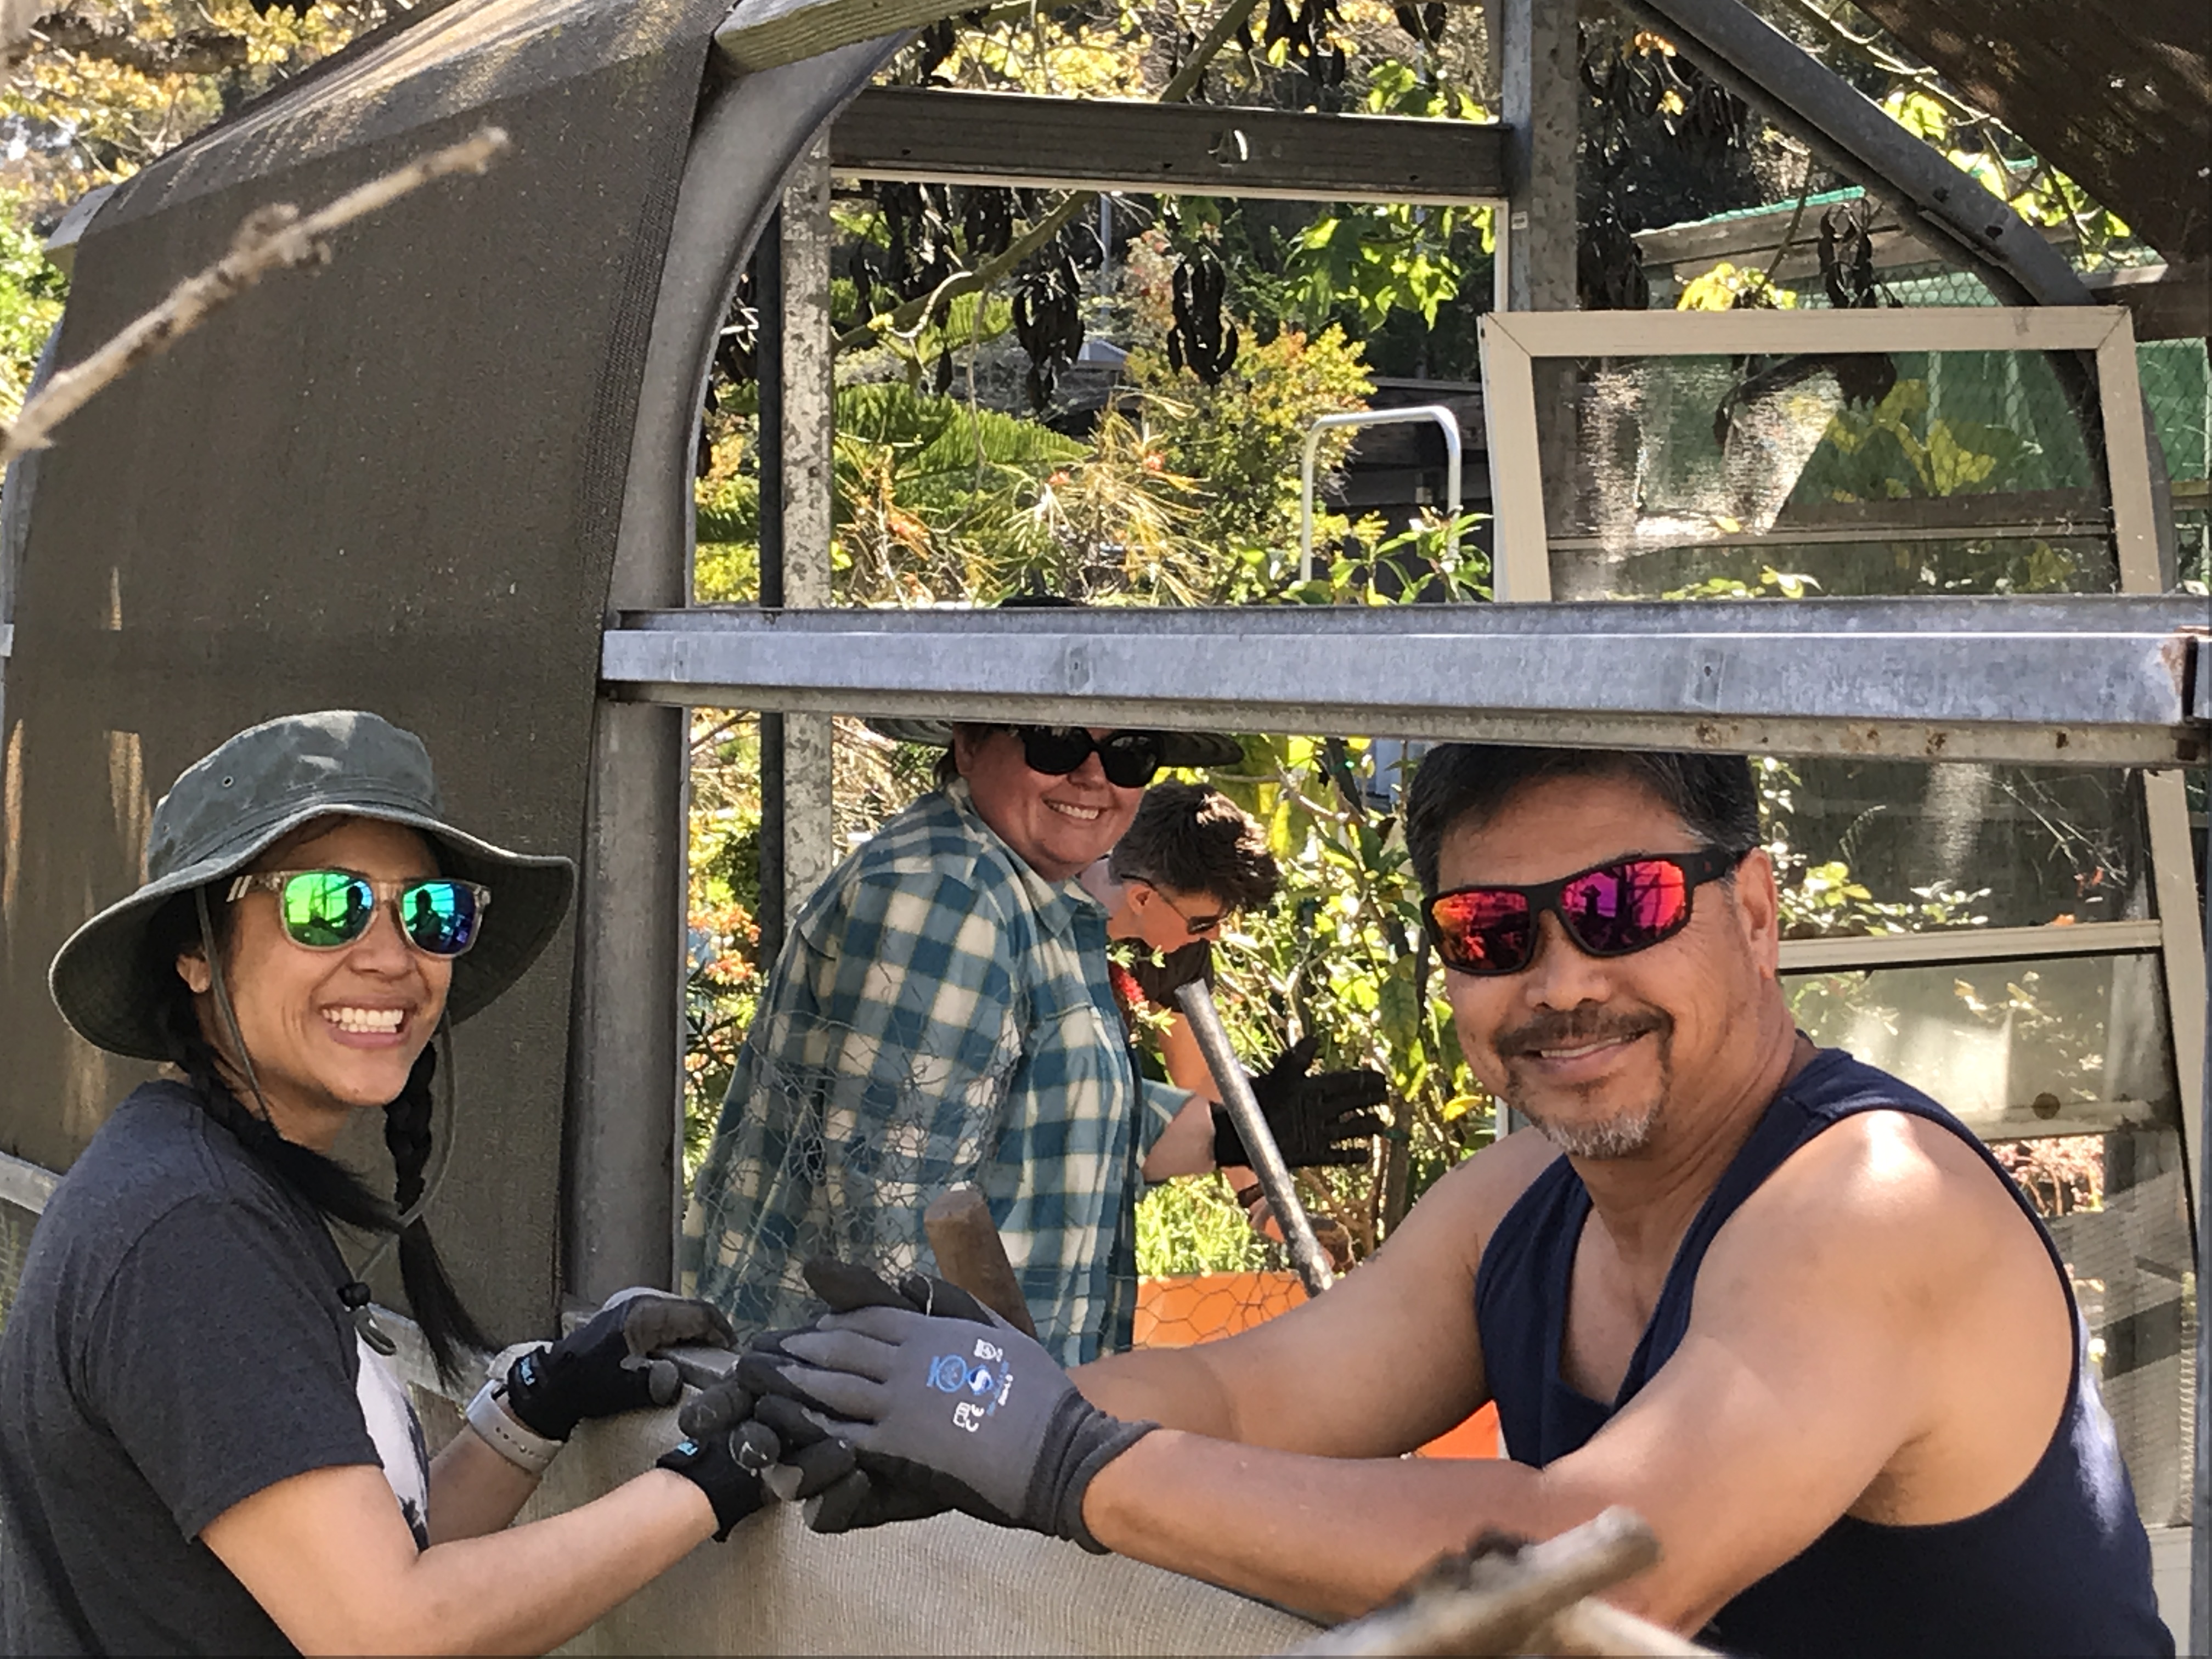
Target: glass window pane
1883,846
1865,473
2018,1049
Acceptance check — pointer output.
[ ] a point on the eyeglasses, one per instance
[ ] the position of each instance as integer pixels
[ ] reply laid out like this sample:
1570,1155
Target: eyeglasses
1129,759
1609,910
1197,926
329,909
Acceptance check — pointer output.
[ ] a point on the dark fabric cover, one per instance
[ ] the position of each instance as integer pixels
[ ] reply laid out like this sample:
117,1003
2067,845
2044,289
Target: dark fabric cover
2115,94
393,484
178,1344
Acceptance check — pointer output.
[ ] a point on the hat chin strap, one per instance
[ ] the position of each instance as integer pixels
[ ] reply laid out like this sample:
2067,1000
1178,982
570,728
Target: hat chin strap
441,1130
222,1003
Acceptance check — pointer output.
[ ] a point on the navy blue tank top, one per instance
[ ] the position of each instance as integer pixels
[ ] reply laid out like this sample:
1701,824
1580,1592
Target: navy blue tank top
2061,1565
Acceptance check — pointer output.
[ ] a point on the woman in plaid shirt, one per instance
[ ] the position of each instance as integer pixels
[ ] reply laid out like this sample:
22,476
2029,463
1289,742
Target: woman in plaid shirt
940,1014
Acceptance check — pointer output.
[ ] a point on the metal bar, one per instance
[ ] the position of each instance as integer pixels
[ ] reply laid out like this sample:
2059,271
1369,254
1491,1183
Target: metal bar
1520,560
940,136
619,1208
1444,418
1259,1141
2200,1540
25,1185
1736,333
2126,418
2084,682
1784,535
2173,877
1949,945
1540,95
625,1080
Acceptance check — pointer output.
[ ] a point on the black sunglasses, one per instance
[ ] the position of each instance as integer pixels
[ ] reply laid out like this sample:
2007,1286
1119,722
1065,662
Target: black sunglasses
1612,909
1128,758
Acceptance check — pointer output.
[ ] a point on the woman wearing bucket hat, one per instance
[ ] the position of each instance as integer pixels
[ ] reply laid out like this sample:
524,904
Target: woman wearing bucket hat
199,1452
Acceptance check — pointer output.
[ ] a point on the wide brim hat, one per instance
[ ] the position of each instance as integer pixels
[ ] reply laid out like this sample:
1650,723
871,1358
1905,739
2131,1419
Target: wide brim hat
226,810
1176,748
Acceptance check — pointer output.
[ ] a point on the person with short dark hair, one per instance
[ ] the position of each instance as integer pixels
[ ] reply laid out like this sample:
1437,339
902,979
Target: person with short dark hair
941,1013
202,1449
1784,1307
1192,859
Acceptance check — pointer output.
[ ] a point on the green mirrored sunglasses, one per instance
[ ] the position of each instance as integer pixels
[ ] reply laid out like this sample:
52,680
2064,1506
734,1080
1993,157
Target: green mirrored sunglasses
329,909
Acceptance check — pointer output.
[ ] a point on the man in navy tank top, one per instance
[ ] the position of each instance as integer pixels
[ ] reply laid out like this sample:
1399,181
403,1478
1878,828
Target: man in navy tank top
1781,1305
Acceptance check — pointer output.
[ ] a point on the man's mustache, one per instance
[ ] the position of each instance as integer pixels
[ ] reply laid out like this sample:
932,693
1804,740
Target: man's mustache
1578,1028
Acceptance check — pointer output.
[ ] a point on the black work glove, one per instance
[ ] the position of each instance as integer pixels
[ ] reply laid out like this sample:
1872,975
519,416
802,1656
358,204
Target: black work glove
724,1452
1314,1120
605,1367
947,1408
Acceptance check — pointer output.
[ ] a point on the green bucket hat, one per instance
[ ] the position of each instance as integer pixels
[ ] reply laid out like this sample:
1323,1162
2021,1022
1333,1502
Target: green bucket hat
227,809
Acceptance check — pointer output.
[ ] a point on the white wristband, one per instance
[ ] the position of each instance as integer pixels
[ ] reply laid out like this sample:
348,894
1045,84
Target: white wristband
520,1446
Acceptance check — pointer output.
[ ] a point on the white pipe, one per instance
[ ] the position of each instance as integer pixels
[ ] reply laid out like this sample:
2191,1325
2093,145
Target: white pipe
1438,412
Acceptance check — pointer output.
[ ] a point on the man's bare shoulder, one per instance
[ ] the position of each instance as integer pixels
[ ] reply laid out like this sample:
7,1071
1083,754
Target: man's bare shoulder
1885,1200
1889,1242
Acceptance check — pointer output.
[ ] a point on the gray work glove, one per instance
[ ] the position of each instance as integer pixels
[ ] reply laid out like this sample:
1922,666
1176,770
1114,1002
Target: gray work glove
605,1366
947,1409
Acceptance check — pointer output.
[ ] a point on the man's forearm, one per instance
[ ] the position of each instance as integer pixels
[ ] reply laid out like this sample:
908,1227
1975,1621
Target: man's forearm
1173,1386
1327,1536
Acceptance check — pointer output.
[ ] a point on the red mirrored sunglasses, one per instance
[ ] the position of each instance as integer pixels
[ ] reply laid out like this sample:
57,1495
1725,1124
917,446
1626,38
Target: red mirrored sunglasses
1612,909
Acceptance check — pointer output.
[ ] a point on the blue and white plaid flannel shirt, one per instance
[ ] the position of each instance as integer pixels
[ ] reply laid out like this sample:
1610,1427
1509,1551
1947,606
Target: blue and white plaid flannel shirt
939,1013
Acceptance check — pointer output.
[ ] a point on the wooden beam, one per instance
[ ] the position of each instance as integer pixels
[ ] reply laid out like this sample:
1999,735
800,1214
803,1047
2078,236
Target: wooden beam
2170,303
766,35
935,136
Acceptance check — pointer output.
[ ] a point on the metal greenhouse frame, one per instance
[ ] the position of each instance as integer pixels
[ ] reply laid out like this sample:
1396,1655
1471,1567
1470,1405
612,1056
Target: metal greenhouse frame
544,497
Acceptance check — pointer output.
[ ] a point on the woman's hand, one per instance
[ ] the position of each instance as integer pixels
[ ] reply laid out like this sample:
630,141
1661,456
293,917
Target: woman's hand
606,1367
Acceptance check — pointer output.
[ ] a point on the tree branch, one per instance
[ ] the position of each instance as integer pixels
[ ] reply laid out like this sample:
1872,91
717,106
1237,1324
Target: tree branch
273,239
204,51
910,315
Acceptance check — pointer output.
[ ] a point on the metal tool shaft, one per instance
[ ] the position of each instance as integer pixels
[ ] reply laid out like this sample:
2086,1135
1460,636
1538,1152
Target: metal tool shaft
1306,1254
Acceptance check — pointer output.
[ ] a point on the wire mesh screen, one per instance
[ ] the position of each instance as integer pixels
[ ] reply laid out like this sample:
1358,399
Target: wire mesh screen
2115,1205
1841,474
844,1138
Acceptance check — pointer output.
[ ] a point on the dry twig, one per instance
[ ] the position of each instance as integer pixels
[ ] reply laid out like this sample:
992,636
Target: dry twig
273,239
1505,1598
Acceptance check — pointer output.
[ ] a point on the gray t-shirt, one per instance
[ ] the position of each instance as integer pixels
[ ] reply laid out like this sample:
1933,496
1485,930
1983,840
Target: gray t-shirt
177,1345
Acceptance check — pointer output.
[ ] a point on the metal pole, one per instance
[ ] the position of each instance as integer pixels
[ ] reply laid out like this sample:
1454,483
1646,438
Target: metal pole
2200,1532
1306,1254
1438,412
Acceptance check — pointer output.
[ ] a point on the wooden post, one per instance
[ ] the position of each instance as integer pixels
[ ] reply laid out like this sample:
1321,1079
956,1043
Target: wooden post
791,287
971,1255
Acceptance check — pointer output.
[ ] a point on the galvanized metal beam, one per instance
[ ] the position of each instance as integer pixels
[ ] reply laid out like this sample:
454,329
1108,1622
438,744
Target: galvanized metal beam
2086,681
940,136
625,1069
26,1186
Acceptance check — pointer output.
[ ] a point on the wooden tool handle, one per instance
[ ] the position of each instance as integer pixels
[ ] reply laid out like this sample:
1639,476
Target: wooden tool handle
971,1255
